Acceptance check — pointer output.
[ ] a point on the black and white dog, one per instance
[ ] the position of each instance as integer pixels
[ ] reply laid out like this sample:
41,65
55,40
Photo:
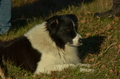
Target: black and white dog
50,46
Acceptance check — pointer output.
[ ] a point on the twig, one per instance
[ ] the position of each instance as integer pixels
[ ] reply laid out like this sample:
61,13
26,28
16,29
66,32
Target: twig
109,47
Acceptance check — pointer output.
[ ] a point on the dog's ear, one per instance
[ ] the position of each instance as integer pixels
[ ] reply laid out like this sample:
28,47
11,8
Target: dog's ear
52,22
72,17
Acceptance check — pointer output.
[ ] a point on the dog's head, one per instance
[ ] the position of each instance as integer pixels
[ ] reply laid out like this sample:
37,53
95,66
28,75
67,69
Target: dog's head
63,30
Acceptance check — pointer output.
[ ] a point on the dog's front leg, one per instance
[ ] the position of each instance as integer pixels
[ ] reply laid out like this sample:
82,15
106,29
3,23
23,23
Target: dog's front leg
85,67
63,66
58,67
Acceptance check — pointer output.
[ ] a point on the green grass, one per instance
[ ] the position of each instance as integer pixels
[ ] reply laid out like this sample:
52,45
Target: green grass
102,36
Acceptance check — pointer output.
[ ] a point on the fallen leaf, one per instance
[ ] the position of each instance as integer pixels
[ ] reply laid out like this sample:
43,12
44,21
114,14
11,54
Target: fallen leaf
113,71
88,12
91,60
112,22
108,27
82,21
88,34
116,18
103,66
118,46
79,16
96,64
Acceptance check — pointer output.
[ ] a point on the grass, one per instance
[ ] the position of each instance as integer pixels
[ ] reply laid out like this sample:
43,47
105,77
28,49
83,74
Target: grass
102,36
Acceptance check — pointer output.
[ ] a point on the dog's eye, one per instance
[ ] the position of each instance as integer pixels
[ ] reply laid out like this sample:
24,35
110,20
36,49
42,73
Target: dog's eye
67,30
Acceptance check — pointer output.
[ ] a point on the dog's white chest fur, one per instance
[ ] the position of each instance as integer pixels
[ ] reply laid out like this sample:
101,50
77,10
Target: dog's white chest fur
57,61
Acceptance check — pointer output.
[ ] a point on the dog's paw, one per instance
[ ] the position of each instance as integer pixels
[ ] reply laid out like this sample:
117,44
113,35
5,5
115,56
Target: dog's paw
86,70
84,65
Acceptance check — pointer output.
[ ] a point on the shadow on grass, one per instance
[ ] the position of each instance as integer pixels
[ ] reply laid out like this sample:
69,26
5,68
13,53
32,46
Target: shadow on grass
41,8
91,45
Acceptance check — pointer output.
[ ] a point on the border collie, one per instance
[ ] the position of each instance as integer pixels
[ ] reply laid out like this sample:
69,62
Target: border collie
50,46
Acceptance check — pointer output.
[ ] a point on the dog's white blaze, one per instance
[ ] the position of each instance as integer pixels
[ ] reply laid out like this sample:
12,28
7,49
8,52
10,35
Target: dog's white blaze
76,40
73,23
77,37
